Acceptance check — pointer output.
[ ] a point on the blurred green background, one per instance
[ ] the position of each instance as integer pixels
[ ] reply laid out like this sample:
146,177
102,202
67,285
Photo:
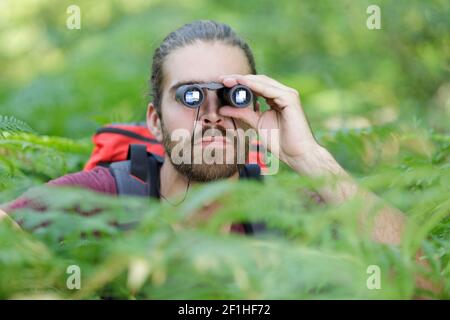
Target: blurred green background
68,82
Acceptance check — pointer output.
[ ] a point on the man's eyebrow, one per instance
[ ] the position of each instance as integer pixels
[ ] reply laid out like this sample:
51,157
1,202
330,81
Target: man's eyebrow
182,83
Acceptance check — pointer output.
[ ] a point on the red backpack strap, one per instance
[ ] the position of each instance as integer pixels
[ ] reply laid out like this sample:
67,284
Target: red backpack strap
111,143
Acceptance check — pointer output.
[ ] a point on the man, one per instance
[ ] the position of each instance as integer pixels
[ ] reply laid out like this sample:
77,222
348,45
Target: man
206,52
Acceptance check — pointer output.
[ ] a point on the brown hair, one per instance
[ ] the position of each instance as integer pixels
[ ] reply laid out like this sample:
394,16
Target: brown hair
203,30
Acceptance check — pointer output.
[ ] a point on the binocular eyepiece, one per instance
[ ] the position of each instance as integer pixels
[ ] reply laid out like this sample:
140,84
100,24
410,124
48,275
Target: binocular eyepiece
192,95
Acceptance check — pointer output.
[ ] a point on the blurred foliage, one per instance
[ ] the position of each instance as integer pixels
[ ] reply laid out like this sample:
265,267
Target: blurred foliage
379,100
348,76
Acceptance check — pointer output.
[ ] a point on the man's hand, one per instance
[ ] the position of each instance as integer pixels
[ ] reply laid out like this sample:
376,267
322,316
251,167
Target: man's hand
298,149
286,115
296,145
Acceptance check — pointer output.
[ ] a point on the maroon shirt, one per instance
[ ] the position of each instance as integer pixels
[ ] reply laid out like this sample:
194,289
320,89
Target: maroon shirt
98,179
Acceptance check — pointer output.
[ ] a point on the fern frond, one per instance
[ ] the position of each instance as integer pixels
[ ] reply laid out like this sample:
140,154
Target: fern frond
10,125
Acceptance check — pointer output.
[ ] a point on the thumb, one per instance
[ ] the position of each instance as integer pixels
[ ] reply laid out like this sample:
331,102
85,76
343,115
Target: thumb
246,115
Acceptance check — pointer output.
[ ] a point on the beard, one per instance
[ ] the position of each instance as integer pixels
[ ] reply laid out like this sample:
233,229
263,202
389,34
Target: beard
205,172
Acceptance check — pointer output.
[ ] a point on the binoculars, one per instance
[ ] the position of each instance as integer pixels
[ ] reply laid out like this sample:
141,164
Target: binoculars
192,95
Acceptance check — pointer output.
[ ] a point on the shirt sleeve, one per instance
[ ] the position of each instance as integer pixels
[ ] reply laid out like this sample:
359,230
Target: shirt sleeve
98,179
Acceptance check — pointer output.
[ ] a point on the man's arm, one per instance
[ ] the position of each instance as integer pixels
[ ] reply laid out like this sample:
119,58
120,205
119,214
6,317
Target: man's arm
297,147
388,223
318,162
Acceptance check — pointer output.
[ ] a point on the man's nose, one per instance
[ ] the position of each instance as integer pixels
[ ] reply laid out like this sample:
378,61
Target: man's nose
211,107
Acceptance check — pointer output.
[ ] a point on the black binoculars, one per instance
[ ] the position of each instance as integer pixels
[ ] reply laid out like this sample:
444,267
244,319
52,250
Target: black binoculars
192,95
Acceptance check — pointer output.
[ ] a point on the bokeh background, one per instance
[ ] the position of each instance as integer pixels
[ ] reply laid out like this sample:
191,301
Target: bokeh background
68,82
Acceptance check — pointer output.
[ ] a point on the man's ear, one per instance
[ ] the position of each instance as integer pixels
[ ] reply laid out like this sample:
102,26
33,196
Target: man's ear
154,122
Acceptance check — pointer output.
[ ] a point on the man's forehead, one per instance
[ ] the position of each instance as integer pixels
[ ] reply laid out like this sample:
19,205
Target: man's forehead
204,63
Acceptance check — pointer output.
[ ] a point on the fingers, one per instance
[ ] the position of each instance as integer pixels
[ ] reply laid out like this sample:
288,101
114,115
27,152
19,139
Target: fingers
277,95
233,79
246,115
265,90
229,81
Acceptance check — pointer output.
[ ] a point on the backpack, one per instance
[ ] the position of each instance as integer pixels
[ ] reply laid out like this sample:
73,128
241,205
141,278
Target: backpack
134,158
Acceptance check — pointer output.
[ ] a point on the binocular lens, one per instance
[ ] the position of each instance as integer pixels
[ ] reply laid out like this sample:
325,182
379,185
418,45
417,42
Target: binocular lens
240,96
193,97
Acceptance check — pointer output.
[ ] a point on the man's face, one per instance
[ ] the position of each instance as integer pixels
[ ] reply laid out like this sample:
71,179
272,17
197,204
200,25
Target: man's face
198,63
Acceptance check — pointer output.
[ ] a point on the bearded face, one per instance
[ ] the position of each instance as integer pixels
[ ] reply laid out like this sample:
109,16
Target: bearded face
200,143
210,153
